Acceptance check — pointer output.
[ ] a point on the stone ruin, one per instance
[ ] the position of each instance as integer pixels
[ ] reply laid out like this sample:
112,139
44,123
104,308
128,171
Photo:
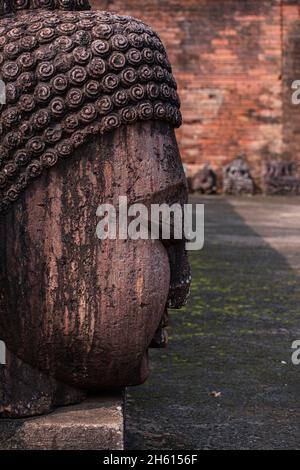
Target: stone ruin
91,106
237,178
204,181
280,178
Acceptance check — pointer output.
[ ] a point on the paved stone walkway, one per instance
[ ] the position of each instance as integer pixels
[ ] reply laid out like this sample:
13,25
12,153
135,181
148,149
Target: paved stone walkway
227,380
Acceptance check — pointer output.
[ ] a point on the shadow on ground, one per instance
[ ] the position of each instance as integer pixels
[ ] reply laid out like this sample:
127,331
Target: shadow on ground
234,338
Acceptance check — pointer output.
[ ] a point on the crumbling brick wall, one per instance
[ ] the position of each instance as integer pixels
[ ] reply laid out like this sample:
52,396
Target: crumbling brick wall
233,72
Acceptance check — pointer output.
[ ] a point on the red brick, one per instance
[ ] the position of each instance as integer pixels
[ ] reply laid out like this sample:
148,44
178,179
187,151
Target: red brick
234,62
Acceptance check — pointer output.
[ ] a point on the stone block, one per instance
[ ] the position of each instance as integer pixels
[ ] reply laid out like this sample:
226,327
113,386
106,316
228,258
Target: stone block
95,424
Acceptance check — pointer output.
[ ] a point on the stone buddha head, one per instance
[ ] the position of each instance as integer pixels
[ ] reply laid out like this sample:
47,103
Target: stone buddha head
91,107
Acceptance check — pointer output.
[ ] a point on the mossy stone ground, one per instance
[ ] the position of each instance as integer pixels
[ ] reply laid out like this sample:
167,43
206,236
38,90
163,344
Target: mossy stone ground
226,380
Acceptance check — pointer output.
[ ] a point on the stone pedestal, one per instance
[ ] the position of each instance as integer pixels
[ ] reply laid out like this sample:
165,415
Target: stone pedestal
95,424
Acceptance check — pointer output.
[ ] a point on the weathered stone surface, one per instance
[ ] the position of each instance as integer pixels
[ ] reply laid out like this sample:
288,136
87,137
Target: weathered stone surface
280,178
237,178
70,76
90,108
234,337
203,181
87,310
235,62
96,424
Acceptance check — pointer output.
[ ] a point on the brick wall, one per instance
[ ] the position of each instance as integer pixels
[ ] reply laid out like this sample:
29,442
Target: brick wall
234,61
291,72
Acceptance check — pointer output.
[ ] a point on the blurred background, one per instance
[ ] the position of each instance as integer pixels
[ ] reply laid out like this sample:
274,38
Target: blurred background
234,61
226,380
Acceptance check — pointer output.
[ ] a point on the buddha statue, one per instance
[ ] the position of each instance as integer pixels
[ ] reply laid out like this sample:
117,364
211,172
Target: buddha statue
89,116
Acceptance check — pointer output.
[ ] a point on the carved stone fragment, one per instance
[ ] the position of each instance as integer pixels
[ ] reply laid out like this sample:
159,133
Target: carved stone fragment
279,178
